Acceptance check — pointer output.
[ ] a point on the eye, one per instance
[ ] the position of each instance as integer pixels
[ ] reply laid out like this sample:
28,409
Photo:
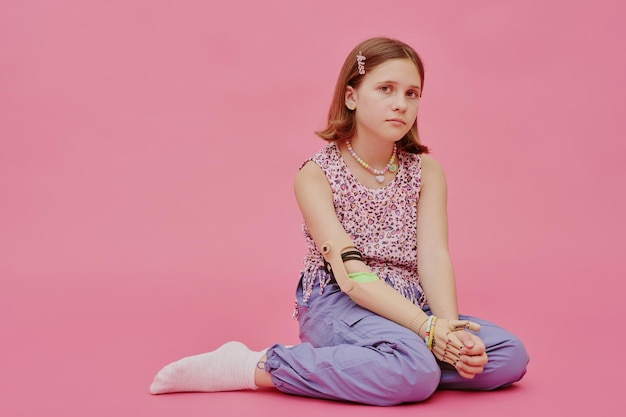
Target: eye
385,89
413,94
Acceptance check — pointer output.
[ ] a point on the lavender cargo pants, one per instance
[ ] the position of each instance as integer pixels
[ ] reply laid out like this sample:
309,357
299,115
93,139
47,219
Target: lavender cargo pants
349,353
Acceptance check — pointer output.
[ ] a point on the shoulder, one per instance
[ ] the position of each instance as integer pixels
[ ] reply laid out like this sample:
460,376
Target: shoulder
313,169
311,186
432,171
310,170
430,166
325,154
309,175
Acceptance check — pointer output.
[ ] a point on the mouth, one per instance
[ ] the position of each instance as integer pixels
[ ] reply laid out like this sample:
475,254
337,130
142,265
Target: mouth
396,121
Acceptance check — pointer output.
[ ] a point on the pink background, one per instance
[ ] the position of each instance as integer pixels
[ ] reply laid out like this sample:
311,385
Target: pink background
147,155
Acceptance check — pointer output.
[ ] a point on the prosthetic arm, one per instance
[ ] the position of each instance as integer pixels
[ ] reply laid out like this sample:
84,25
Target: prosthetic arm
385,301
375,296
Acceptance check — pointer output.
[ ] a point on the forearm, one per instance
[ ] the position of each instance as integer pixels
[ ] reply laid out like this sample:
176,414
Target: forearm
438,282
382,299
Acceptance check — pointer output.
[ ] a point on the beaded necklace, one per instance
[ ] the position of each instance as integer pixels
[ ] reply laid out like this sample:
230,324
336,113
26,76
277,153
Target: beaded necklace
379,173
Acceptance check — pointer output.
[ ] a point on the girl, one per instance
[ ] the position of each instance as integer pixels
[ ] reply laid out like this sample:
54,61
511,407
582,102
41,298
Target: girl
376,301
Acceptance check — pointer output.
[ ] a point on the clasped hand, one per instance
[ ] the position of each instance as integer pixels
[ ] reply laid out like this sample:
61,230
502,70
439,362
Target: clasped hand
453,344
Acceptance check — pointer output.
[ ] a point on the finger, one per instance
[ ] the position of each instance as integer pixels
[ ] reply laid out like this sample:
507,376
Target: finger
448,358
445,348
477,360
450,361
454,340
477,349
467,339
464,374
453,349
472,364
443,343
473,326
469,369
446,355
456,325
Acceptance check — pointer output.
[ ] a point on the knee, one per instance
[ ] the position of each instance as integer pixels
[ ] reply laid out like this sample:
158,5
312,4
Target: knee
413,376
507,364
419,385
518,362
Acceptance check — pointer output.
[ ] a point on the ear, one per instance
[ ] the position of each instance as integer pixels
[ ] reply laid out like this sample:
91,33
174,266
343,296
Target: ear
350,96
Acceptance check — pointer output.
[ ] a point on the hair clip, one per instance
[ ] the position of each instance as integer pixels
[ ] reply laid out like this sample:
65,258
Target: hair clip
360,61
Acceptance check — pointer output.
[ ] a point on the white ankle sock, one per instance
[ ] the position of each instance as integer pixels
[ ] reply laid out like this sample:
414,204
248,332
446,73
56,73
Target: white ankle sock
229,368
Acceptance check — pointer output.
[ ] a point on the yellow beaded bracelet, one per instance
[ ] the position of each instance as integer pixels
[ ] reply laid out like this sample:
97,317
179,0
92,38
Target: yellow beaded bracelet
431,333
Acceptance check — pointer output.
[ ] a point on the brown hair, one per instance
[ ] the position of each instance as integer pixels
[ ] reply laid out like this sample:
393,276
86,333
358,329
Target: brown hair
341,123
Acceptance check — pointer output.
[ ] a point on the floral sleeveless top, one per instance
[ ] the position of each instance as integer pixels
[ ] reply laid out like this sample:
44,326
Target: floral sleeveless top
382,223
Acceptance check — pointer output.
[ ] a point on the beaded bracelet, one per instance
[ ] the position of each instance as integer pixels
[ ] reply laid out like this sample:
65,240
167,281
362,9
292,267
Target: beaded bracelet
431,333
428,327
431,338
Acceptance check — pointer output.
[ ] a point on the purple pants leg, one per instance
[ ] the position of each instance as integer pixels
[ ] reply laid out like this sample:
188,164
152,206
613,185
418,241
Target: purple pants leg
350,354
507,361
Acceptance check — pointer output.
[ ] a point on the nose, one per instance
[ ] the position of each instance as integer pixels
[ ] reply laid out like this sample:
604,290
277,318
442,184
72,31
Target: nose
400,102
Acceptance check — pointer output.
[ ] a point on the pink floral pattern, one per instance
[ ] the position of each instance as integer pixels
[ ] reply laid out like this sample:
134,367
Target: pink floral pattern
382,222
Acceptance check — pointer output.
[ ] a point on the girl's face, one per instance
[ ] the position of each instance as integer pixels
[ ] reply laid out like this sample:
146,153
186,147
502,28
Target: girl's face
387,100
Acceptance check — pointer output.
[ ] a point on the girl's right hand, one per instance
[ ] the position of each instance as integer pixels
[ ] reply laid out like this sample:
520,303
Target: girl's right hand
473,355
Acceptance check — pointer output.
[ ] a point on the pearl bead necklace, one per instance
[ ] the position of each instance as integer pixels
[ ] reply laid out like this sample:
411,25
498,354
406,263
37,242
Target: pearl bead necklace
379,173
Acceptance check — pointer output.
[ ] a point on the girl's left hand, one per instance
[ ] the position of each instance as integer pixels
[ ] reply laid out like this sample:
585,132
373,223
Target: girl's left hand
445,344
472,356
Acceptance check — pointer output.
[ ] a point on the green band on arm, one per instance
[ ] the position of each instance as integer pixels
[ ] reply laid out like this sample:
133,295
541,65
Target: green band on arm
363,276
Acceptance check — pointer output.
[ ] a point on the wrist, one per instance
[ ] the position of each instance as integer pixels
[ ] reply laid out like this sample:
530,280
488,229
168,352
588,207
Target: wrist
418,324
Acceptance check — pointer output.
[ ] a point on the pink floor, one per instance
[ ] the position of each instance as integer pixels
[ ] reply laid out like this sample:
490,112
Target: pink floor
93,351
147,153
